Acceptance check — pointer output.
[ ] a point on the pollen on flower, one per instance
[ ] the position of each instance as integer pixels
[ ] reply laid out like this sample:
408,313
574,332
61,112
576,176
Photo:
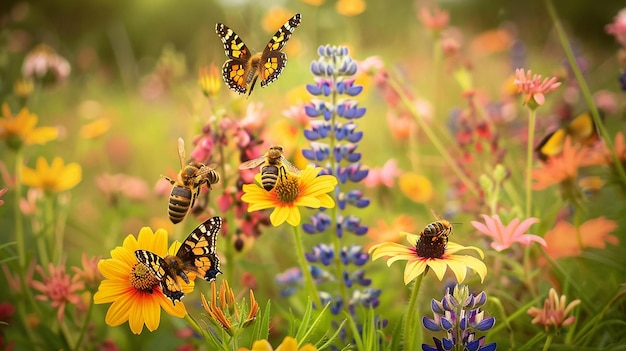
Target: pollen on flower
142,279
288,189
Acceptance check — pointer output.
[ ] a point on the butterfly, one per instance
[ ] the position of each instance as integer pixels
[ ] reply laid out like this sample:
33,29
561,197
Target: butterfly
581,130
242,69
196,254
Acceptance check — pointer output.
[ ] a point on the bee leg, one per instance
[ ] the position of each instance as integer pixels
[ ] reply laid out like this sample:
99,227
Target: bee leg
169,179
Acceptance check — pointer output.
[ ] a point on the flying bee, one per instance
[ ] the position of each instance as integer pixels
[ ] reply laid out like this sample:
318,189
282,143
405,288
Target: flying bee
186,187
274,167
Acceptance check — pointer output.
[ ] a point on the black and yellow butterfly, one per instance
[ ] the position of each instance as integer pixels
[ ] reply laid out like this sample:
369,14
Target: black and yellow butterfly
196,254
581,130
242,69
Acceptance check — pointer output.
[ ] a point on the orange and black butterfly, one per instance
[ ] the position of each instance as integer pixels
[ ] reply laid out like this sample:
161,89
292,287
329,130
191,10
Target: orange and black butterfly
196,254
581,130
242,69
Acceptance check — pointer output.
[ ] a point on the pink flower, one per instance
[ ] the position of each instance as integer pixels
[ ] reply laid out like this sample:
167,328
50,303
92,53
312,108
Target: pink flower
298,114
114,186
618,27
505,235
89,272
2,192
533,87
436,20
256,117
58,288
383,176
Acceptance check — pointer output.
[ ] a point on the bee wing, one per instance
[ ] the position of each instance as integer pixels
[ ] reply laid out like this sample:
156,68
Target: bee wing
436,215
253,163
181,152
289,166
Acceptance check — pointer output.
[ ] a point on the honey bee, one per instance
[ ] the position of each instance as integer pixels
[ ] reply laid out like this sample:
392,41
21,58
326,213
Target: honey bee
441,228
274,167
186,187
438,232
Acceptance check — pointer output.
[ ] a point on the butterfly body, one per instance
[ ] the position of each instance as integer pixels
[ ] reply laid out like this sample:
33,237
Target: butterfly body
196,254
242,69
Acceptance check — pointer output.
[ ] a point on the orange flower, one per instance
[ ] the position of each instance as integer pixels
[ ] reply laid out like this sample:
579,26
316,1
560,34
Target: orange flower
436,20
391,232
53,177
350,7
20,129
416,187
562,239
133,291
210,80
562,168
274,18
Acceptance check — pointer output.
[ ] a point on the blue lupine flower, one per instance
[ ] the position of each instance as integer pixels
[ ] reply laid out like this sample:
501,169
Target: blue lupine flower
354,198
319,223
354,254
459,312
321,253
346,131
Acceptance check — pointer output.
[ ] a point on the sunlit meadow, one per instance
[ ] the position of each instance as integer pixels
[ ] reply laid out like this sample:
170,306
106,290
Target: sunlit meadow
453,175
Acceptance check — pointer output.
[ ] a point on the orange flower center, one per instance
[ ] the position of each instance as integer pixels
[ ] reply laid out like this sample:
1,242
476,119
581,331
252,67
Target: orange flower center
288,189
142,279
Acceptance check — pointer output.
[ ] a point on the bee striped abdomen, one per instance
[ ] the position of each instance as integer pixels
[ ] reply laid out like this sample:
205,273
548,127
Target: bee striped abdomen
269,177
180,202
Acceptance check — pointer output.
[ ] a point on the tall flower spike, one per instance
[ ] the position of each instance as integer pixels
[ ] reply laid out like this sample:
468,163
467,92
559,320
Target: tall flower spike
334,136
459,315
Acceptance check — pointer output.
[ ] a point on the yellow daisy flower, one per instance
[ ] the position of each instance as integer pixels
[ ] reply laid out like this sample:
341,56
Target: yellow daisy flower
132,289
306,190
422,257
288,344
20,129
54,177
210,80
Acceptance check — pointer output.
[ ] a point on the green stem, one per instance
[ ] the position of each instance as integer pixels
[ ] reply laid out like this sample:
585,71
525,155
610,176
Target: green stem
67,334
585,90
306,273
83,328
19,225
433,138
195,326
411,333
546,345
529,160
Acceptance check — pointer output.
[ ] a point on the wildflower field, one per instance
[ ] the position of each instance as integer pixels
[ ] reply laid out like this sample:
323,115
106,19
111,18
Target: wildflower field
312,175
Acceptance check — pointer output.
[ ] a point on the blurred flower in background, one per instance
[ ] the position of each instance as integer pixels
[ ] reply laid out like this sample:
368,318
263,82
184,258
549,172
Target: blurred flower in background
555,312
43,63
58,288
53,177
21,129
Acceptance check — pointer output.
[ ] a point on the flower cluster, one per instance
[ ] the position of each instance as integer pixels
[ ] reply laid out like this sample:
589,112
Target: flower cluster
459,315
225,313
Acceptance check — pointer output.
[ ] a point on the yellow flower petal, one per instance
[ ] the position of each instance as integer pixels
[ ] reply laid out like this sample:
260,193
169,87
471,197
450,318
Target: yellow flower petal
294,217
279,215
150,314
413,269
136,318
438,266
261,345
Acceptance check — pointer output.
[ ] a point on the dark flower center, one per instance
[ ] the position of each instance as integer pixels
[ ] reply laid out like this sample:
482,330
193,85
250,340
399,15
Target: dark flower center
142,279
431,246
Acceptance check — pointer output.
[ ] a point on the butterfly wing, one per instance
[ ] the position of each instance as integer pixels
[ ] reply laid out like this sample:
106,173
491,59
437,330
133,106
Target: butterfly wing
273,60
582,129
234,69
198,251
157,265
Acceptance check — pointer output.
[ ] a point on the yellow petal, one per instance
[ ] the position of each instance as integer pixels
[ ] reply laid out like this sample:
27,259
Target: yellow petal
42,135
177,310
294,217
326,201
470,262
118,311
69,177
279,215
307,201
413,269
438,266
458,268
452,248
135,317
111,290
261,345
288,344
151,313
411,238
388,249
